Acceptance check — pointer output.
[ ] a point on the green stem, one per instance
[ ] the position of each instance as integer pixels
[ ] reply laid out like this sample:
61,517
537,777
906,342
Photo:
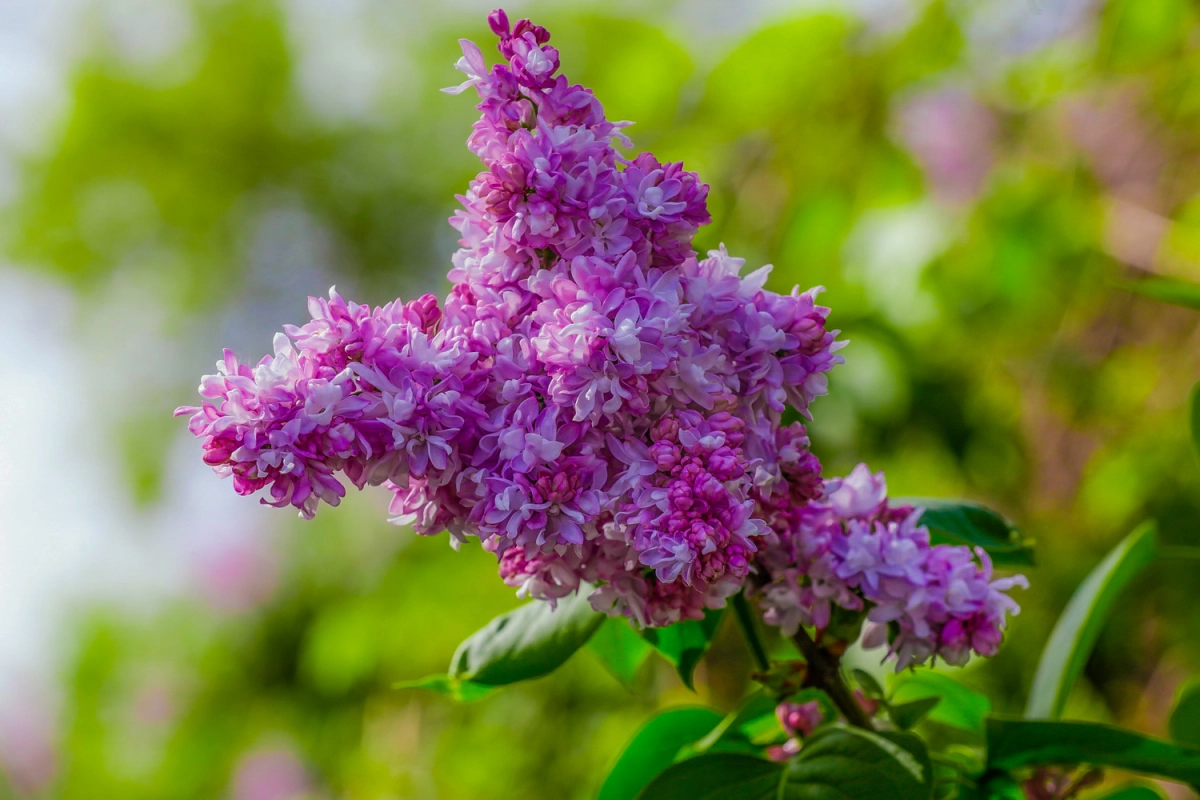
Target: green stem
745,618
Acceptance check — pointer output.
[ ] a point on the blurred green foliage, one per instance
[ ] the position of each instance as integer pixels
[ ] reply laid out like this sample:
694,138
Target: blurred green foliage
971,202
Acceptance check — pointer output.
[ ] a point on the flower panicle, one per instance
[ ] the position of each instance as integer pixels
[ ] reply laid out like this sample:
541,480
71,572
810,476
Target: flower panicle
593,401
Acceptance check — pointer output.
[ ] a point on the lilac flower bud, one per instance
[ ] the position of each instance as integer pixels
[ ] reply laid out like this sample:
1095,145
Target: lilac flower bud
800,719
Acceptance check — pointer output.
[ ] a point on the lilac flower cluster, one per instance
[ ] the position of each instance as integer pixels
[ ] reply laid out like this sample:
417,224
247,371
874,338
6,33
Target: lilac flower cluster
595,403
634,392
356,395
850,549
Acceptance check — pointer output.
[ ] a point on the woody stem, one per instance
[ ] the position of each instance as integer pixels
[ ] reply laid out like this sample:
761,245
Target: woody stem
825,673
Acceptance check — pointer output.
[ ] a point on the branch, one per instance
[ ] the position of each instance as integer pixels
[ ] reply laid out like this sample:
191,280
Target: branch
824,670
825,673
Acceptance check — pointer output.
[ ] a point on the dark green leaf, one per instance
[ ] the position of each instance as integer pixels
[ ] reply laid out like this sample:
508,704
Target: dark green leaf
962,522
840,762
960,707
1016,743
654,748
1166,290
528,642
836,763
1195,418
620,649
1133,793
685,643
717,776
460,690
868,684
906,715
1184,724
1077,629
915,746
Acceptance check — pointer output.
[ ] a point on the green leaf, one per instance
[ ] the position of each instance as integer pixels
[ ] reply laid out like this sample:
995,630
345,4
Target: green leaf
1014,743
906,715
1077,629
620,649
868,684
844,762
962,522
685,643
654,748
529,642
960,708
717,776
1195,417
1166,290
1184,724
1133,793
836,763
915,747
757,706
459,690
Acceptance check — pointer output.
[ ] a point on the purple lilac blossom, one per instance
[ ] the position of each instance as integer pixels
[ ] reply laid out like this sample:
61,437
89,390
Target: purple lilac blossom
594,402
634,391
850,549
355,395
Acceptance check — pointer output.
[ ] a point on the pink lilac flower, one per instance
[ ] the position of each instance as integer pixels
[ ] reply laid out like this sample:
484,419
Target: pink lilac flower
850,549
594,402
355,395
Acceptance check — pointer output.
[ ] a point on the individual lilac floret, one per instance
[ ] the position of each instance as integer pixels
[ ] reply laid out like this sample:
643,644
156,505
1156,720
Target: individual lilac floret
851,550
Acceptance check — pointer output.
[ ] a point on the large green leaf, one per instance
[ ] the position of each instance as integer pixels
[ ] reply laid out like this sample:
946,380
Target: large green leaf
1015,743
654,748
620,649
962,522
960,707
1076,631
529,642
836,763
718,776
1184,724
685,643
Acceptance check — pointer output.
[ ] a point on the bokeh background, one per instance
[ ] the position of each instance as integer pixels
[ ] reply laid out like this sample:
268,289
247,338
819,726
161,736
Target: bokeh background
974,181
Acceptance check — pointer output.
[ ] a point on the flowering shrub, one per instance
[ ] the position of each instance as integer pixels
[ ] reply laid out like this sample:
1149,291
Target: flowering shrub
604,411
